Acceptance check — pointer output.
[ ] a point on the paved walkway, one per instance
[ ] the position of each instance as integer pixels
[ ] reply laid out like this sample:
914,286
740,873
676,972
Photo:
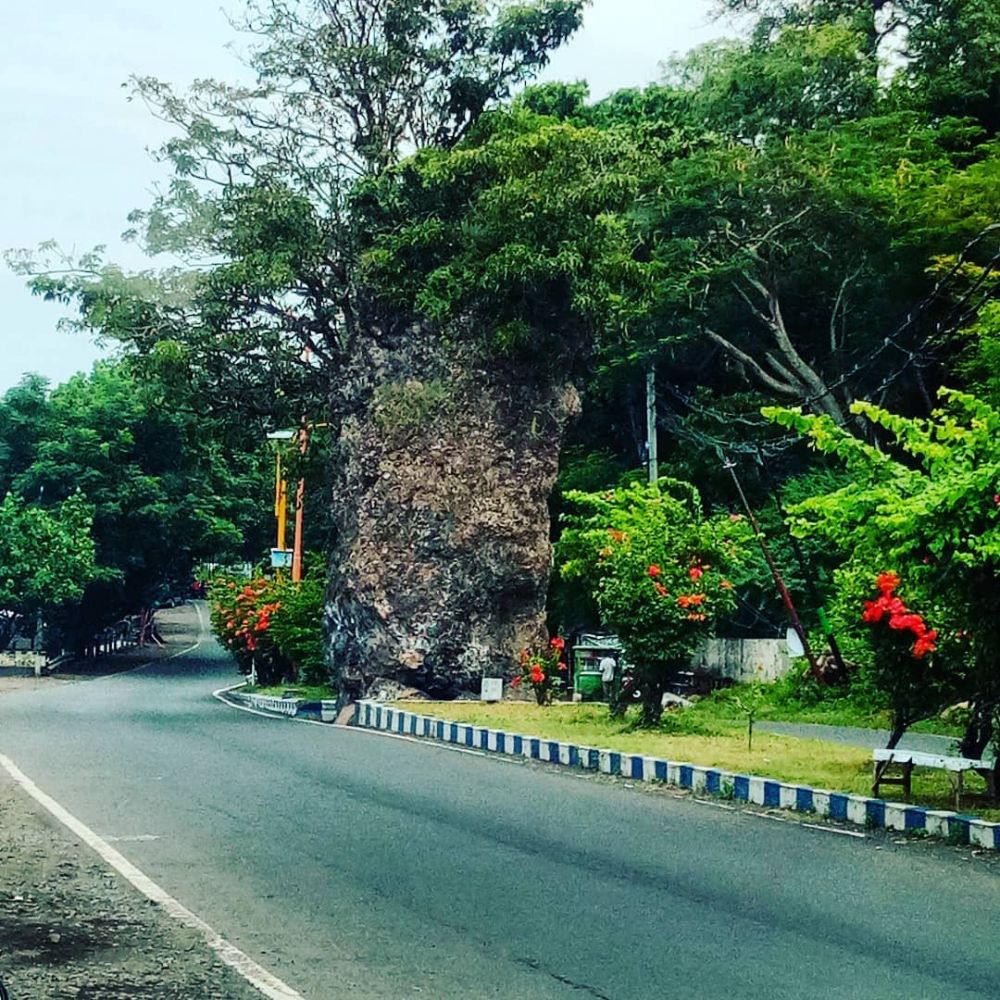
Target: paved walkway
868,738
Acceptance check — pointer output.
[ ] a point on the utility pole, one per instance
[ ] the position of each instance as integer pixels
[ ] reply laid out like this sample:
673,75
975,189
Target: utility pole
786,597
300,495
651,443
807,574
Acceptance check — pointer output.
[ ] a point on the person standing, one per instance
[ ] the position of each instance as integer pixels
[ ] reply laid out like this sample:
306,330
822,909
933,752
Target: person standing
608,666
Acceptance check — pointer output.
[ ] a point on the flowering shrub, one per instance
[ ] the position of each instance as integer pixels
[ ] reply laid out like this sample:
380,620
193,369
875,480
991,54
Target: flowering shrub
545,671
271,626
659,571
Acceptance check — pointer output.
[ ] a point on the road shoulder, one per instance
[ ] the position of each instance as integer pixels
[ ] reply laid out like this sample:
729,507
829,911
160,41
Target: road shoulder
73,928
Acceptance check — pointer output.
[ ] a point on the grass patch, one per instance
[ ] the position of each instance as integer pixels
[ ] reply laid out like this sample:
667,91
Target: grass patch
304,692
710,740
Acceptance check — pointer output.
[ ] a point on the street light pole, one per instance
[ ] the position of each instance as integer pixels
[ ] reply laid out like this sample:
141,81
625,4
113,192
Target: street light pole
280,493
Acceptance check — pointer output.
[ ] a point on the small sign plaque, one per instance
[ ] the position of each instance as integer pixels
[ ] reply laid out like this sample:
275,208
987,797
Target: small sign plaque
492,689
281,558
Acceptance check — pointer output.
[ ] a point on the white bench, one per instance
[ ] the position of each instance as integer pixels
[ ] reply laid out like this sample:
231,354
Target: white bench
907,760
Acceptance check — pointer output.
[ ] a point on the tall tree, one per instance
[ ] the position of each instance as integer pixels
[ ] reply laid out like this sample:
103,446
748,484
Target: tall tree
162,492
263,182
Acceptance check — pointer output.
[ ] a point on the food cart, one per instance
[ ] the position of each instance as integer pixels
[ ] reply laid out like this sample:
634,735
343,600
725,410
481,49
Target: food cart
588,651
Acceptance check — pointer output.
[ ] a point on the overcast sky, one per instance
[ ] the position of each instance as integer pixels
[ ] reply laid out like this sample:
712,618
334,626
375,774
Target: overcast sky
74,160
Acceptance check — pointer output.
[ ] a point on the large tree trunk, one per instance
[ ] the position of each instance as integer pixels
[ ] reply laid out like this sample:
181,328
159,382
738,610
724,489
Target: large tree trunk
441,558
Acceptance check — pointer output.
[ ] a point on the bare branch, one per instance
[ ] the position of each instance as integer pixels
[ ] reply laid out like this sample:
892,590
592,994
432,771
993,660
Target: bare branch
772,383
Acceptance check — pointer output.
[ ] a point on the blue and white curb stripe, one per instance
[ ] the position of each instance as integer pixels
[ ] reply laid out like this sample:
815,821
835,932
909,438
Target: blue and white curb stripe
844,807
321,711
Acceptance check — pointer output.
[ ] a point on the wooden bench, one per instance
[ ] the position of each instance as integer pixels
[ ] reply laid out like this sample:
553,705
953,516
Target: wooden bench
907,760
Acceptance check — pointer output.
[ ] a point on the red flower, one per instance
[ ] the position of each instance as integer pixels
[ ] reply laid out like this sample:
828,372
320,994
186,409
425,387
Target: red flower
558,643
660,589
696,572
563,667
654,571
516,682
901,619
537,676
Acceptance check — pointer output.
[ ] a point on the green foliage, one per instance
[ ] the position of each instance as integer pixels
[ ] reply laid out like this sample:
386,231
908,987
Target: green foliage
544,671
165,487
46,557
297,628
659,571
511,238
927,508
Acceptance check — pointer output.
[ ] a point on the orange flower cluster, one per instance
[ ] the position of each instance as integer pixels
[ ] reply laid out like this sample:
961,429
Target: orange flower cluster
691,600
542,670
241,619
687,602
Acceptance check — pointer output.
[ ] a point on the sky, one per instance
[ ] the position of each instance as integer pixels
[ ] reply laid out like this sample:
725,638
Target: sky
74,160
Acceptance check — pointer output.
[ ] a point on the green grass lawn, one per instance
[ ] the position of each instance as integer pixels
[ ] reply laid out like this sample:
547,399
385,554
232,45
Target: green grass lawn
304,692
710,740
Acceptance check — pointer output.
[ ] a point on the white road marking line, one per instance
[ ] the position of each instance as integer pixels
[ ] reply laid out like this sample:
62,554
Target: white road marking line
714,805
833,829
256,975
139,838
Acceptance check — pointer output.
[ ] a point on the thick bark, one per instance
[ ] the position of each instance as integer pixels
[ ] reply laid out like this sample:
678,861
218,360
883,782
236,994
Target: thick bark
979,731
442,557
652,701
898,729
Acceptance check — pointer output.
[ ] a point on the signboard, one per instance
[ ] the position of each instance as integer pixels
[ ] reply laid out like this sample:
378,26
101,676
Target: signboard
492,689
794,642
281,558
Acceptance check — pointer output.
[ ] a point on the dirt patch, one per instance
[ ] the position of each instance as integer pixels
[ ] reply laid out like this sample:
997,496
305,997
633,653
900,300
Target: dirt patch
72,930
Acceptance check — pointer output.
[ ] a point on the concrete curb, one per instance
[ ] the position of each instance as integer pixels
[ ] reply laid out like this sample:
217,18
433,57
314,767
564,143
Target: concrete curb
844,807
293,708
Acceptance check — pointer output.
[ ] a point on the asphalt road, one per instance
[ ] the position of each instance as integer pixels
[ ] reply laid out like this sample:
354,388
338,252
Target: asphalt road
867,738
352,865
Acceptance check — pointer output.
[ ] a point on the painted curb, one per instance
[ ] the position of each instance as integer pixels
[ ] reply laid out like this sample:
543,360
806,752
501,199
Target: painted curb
293,708
844,807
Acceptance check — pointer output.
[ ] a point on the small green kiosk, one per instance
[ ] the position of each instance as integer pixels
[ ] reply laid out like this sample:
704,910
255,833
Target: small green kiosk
588,652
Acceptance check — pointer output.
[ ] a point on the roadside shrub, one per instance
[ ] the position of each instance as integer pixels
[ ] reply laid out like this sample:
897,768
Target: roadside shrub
543,672
297,628
660,572
272,627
